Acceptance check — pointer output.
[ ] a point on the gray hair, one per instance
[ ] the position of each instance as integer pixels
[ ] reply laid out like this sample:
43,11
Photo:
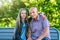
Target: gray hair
32,9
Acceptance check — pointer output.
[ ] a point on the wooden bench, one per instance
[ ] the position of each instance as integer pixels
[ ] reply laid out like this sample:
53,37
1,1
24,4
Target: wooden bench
8,33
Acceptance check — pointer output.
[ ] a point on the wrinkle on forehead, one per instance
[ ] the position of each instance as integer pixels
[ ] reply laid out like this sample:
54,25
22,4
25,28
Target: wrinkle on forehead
33,8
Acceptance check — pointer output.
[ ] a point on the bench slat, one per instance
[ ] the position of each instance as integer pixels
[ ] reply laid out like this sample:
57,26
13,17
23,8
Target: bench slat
6,33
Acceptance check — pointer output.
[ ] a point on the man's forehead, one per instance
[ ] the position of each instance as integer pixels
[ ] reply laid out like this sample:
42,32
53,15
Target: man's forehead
32,10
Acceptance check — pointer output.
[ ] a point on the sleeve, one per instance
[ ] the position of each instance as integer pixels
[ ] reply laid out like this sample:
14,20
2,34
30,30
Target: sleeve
45,23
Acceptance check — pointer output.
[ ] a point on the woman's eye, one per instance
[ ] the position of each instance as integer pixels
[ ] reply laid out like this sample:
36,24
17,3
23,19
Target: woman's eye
22,13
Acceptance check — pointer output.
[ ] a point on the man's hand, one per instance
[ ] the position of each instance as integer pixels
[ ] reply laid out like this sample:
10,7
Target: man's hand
29,38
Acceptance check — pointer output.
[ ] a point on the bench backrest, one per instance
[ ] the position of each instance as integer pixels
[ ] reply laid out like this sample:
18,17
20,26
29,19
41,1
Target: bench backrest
54,34
8,33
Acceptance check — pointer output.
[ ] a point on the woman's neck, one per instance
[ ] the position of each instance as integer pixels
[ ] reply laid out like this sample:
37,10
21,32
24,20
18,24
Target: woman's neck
23,20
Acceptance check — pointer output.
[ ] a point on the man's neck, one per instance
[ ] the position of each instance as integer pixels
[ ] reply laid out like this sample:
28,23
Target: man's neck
36,18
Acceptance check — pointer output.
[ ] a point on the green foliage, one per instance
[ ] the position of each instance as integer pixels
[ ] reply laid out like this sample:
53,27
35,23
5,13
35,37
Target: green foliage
9,10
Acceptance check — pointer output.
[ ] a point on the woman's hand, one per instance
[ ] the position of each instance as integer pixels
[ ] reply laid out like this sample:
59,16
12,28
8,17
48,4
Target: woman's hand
29,38
38,39
44,16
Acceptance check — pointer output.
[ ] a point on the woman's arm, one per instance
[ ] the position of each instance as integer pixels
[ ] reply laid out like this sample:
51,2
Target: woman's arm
29,34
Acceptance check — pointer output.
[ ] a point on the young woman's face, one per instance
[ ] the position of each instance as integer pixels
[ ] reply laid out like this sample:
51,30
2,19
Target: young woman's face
23,14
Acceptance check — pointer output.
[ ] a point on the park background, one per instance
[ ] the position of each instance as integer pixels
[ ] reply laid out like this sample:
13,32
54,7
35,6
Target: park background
9,10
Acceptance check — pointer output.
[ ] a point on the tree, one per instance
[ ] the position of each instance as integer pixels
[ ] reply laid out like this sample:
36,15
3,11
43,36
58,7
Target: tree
10,9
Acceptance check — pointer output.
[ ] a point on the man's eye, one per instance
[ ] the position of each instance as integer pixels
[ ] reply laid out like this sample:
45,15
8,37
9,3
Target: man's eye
33,12
21,13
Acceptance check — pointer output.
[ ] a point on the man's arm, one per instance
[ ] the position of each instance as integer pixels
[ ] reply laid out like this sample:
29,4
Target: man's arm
45,30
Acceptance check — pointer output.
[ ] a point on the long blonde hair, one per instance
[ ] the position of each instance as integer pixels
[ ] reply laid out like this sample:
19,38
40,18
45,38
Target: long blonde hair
19,19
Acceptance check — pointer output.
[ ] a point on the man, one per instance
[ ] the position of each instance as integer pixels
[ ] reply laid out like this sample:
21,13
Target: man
39,26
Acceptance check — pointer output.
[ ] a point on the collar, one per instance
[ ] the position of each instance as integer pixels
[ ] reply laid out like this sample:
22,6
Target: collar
37,19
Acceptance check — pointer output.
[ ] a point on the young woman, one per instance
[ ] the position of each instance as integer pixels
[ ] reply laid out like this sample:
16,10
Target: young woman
22,25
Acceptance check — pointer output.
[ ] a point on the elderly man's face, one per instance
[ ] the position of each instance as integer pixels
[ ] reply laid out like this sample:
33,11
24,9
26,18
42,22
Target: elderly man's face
33,13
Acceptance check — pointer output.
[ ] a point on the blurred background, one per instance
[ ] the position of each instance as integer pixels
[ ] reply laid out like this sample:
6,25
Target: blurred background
9,10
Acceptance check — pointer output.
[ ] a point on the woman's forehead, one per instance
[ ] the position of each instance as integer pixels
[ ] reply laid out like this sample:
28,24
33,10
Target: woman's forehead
23,11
